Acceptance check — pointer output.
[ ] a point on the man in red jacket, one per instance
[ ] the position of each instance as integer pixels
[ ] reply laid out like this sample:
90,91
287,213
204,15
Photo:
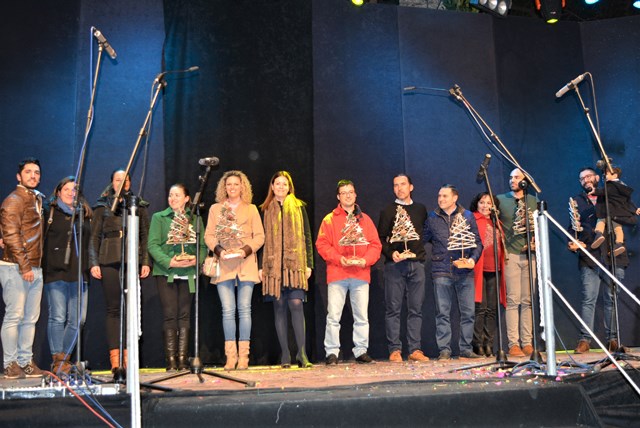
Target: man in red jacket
348,242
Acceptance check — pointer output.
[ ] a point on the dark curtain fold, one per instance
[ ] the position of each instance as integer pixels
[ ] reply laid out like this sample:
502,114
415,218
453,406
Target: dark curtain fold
250,105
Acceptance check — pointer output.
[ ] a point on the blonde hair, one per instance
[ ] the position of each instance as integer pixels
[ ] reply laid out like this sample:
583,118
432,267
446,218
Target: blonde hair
246,194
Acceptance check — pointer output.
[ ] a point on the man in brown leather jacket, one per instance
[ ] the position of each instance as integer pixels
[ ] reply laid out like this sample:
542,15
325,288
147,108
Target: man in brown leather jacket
20,271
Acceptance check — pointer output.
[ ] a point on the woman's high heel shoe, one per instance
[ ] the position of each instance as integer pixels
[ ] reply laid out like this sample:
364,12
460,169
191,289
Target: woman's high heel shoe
285,361
303,361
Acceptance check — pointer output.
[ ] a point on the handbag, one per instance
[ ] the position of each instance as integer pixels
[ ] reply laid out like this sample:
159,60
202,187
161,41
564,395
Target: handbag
211,266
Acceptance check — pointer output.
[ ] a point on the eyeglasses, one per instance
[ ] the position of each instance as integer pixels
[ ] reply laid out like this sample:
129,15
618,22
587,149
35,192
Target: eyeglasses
350,192
586,177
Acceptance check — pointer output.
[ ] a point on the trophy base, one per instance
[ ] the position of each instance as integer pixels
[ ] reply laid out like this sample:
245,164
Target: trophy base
354,262
406,255
464,263
185,256
228,256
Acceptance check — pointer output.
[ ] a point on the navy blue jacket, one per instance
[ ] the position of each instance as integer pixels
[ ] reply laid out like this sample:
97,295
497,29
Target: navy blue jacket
436,231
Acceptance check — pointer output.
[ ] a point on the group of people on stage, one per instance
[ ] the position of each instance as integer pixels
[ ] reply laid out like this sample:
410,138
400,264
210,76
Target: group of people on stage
470,250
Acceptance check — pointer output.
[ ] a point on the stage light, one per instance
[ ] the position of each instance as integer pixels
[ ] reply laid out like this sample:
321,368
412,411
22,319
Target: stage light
591,1
636,4
358,2
551,10
495,7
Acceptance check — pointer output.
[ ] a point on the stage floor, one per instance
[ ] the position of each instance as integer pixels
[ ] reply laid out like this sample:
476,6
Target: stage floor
435,393
348,373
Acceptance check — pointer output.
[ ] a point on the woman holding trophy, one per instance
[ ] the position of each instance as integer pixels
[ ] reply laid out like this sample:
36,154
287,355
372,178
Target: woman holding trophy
234,233
286,263
172,247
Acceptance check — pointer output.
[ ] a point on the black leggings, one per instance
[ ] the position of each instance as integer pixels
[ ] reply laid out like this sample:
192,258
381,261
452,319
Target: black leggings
111,289
176,303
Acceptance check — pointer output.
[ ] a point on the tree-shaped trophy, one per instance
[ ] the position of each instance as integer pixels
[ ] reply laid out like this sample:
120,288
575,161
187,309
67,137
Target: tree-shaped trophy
181,232
229,233
353,235
403,231
575,217
520,221
460,238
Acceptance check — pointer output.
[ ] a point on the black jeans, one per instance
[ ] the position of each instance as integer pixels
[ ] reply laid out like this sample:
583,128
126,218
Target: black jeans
176,303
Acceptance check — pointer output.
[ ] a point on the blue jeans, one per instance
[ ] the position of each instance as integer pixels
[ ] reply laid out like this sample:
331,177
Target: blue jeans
227,293
336,296
63,325
22,310
405,278
446,288
590,288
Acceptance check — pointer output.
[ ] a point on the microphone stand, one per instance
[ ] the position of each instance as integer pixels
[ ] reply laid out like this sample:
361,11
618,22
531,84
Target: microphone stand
501,357
456,92
196,366
79,208
606,166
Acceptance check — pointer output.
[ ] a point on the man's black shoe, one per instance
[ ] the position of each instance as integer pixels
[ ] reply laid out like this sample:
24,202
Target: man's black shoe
364,359
331,359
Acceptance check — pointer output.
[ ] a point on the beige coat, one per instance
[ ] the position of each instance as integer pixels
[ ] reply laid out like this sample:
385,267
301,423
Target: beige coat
249,221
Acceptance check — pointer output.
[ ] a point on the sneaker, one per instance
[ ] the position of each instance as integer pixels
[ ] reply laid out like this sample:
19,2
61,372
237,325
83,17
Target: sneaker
618,248
396,356
597,241
331,359
13,371
582,347
527,350
418,355
444,356
469,354
515,351
32,370
364,359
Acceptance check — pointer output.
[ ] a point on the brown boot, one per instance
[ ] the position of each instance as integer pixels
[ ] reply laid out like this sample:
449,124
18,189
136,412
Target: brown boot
243,355
114,358
61,364
231,351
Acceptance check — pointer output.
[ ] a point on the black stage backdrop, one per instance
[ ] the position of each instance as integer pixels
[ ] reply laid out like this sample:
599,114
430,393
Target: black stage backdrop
250,105
316,88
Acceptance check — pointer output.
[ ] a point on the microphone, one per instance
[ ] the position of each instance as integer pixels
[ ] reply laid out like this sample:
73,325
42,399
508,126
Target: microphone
212,161
103,41
570,85
160,76
483,167
455,92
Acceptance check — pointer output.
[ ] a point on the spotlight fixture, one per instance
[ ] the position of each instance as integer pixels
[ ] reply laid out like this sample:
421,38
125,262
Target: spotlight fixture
358,2
591,1
551,10
636,4
495,7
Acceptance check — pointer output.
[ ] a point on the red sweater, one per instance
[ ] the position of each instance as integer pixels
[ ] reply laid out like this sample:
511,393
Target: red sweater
329,249
483,222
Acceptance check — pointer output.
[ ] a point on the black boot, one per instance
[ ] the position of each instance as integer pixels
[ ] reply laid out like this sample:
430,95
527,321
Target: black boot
183,349
171,349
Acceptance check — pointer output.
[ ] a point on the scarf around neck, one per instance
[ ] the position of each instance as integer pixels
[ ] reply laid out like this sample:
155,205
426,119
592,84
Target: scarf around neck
285,252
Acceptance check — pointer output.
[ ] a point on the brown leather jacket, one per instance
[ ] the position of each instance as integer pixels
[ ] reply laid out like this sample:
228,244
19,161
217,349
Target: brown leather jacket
21,224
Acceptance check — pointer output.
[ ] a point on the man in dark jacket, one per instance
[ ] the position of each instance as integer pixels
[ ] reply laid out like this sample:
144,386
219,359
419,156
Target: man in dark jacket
456,247
20,271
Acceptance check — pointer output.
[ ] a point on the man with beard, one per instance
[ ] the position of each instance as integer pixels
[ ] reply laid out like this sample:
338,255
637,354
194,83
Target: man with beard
589,272
20,271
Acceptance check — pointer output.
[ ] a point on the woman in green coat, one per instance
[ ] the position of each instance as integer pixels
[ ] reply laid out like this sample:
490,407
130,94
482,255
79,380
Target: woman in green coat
172,246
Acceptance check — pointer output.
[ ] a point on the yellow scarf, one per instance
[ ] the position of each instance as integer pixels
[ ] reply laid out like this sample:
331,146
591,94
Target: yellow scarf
290,246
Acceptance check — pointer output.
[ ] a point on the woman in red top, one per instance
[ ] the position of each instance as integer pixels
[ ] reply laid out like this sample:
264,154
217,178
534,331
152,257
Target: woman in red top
485,275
